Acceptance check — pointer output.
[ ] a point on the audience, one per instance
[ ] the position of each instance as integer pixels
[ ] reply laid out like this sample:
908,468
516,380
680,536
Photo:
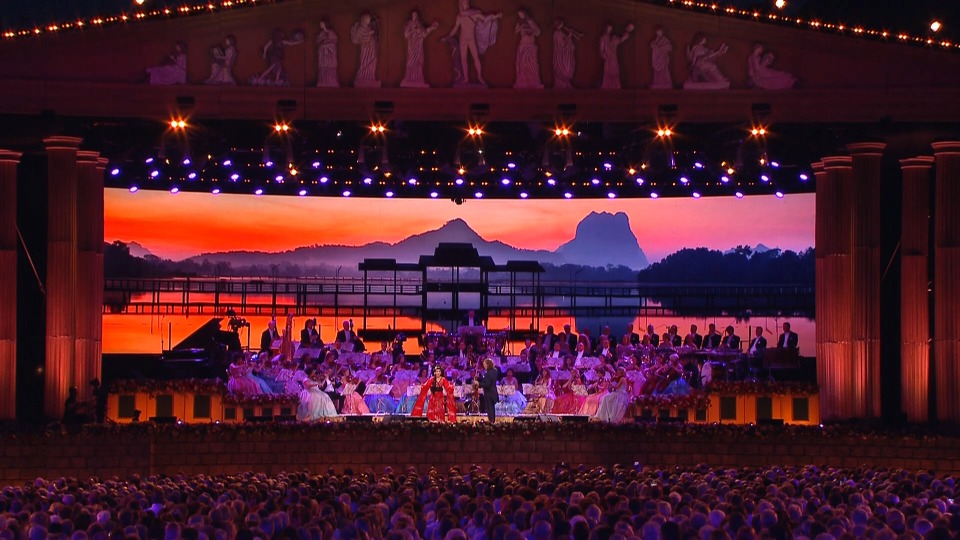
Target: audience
474,504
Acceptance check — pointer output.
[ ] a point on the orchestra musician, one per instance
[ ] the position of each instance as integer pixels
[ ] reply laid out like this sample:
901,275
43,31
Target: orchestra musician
731,341
634,337
696,338
713,338
488,382
672,337
654,337
549,339
309,337
269,336
758,344
788,339
568,337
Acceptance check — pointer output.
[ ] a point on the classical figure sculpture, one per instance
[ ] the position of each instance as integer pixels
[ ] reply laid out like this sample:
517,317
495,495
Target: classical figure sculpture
477,32
609,47
660,60
327,57
528,63
224,56
415,32
275,73
366,34
564,54
762,75
704,73
173,70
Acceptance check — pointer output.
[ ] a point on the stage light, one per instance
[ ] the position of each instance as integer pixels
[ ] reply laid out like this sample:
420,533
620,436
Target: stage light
154,173
186,161
696,194
724,179
377,129
774,164
562,131
114,172
739,194
461,170
134,189
458,181
804,177
698,165
227,163
281,127
302,193
935,26
631,171
607,166
216,191
779,194
505,181
664,132
568,195
324,179
174,190
434,194
684,180
653,195
234,177
611,195
268,164
780,4
478,195
640,181
729,170
346,193
511,165
258,191
523,195
278,178
758,131
192,176
764,177
177,124
315,164
148,161
412,181
595,181
552,182
475,131
388,194
368,180
294,171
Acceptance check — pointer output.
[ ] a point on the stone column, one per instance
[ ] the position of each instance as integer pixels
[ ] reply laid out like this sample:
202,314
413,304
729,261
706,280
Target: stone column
61,271
946,280
914,294
834,291
8,283
867,271
89,225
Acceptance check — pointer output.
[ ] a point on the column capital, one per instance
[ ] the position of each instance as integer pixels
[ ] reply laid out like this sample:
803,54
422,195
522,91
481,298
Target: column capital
817,166
919,162
866,148
946,147
102,163
62,143
837,162
87,157
9,156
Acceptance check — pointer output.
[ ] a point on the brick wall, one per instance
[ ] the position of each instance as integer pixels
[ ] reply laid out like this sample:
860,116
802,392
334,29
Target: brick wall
172,451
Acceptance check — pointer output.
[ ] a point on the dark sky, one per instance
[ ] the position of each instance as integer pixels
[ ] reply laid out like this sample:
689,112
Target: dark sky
912,16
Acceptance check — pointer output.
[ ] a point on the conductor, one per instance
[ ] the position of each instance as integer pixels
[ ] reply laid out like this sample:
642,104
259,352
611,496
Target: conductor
488,382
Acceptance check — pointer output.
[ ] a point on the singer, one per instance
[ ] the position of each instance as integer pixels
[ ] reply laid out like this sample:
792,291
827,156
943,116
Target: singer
442,406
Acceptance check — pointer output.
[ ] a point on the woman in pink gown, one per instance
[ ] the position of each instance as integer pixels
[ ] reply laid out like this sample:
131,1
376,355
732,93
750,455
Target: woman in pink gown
592,401
240,382
569,401
352,401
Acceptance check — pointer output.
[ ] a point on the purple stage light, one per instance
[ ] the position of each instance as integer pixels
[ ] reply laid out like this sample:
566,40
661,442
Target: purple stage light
595,181
724,179
505,181
684,180
611,195
324,179
434,194
739,194
478,194
346,193
764,177
134,189
568,195
523,195
368,181
192,176
315,164
696,194
779,194
227,163
258,191
186,161
552,182
653,195
388,194
458,181
302,193
216,191
114,172
154,173
234,177
511,165
174,190
804,177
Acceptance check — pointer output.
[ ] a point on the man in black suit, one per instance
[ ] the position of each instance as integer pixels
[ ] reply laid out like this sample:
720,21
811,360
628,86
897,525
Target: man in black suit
654,337
696,338
610,337
269,336
472,319
569,338
730,341
548,340
488,382
347,335
788,340
758,344
713,339
673,337
309,336
634,337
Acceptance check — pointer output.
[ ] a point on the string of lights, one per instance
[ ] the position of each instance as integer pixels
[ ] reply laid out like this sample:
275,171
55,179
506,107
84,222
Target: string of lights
850,30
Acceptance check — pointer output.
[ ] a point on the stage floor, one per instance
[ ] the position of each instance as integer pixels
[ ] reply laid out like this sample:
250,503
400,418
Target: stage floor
472,418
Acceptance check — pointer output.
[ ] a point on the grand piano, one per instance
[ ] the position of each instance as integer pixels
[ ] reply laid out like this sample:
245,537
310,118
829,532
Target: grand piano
206,351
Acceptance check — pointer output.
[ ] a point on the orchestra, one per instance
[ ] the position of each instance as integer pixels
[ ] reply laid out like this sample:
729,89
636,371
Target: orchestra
549,369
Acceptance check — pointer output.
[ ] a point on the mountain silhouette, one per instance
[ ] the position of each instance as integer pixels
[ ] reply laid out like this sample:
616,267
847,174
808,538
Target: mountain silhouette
600,241
604,239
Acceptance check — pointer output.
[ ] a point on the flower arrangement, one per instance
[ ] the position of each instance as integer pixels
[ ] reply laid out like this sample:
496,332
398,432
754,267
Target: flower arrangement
177,386
261,399
692,401
754,388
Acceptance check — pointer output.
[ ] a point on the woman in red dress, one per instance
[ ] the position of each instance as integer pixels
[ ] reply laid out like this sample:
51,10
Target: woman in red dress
442,406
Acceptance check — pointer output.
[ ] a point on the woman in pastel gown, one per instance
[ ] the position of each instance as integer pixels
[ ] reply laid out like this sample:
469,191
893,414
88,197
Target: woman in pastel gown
352,401
377,397
613,406
408,401
511,404
592,402
570,400
442,407
314,402
240,381
259,376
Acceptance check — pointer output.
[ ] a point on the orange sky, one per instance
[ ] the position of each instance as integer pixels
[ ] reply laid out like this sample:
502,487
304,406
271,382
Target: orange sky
185,224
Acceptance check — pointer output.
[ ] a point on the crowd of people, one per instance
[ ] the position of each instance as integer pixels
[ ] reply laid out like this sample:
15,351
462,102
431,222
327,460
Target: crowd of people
567,503
567,373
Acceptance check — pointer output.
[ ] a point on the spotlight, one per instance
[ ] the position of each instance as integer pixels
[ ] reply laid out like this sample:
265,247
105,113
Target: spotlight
234,177
739,194
458,181
774,164
378,129
186,161
780,4
281,127
684,180
149,160
139,2
368,180
552,182
216,191
631,171
258,191
278,178
607,166
698,165
764,177
611,195
475,131
174,190
568,195
523,195
664,132
268,164
154,173
935,26
412,181
511,165
696,194
315,164
114,172
134,189
294,171
724,179
653,195
302,192
729,170
779,194
640,181
758,131
324,179
192,176
505,181
346,193
478,194
461,170
227,163
561,131
804,177
177,124
595,181
388,194
434,194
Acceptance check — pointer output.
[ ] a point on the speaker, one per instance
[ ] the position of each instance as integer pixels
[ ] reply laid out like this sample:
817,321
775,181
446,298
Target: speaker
770,422
575,419
163,419
359,419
